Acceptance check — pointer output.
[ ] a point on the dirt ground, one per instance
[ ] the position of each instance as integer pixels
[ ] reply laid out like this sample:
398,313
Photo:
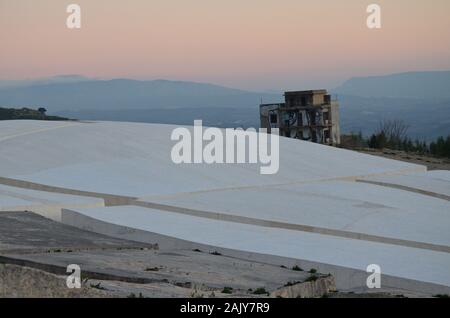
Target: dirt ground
432,163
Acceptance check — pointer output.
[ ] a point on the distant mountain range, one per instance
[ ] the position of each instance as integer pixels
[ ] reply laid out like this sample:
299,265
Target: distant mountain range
43,81
417,85
427,119
421,99
122,94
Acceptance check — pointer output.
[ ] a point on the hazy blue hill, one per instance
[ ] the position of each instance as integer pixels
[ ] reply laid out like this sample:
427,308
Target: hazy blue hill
427,119
423,85
420,99
178,102
7,84
129,94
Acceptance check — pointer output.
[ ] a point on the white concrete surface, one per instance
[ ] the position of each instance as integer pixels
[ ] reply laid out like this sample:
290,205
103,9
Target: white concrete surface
45,203
314,187
437,181
134,159
12,129
341,205
411,263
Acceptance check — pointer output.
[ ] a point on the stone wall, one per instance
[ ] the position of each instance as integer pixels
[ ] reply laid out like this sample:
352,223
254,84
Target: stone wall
317,288
24,282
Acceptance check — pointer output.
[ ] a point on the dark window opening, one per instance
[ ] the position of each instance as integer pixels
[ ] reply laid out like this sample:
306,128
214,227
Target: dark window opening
273,118
303,101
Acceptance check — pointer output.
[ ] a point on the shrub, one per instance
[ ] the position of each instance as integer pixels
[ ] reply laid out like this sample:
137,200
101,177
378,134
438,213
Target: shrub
98,286
260,291
227,290
297,268
441,296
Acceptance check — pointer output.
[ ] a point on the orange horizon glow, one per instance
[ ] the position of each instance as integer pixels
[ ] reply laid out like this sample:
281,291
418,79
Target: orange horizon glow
250,44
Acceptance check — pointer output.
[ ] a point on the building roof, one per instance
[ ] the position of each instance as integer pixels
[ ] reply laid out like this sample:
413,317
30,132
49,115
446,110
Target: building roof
309,92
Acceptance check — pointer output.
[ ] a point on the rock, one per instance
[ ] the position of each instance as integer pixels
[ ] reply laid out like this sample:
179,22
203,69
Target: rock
317,288
24,282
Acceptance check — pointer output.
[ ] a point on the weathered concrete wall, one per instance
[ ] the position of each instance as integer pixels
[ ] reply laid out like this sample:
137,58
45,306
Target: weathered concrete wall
51,211
18,195
25,282
108,199
317,288
336,128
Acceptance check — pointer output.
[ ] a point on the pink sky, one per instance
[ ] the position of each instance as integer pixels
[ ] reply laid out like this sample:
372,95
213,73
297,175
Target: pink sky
250,44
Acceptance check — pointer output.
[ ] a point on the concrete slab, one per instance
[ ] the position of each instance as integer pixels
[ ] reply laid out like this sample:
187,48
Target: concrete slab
29,233
44,203
436,181
398,261
134,159
340,205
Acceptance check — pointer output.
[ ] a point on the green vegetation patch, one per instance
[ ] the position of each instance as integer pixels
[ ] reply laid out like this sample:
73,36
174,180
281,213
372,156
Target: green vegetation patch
27,113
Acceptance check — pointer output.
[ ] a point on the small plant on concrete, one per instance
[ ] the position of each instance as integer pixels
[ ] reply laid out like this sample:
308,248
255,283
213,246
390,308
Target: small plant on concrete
84,279
227,290
311,278
196,294
297,268
98,286
215,253
184,284
152,269
197,250
312,271
260,291
55,250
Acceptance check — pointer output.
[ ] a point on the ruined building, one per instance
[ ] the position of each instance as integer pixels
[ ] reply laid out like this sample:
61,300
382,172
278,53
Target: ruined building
307,115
